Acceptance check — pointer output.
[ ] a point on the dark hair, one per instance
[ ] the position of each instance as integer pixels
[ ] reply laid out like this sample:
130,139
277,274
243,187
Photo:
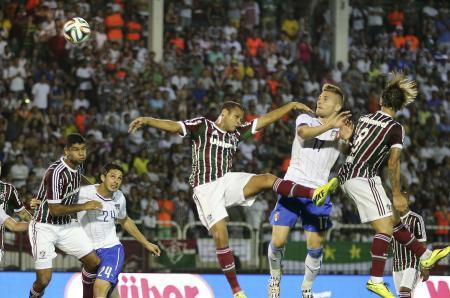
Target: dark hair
111,166
229,105
75,138
399,92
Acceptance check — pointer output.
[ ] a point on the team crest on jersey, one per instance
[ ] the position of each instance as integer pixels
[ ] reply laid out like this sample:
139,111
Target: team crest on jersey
117,206
334,134
276,216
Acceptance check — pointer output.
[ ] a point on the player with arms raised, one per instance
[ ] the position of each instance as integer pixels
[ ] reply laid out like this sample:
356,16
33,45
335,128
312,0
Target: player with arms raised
377,138
215,187
315,149
52,225
100,227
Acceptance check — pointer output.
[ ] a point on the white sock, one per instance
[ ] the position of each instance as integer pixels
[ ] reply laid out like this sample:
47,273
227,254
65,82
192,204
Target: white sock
426,254
376,279
312,267
275,256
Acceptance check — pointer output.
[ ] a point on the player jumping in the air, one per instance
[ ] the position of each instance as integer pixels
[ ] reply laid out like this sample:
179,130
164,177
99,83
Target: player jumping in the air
215,187
377,138
315,149
101,229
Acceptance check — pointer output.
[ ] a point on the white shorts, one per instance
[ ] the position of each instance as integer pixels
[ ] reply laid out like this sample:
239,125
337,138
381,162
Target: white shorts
213,198
408,278
70,238
369,197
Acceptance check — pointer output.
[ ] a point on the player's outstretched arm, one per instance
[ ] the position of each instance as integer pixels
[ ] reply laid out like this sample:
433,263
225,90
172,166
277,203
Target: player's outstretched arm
166,125
399,201
276,114
309,132
25,215
60,209
129,226
15,226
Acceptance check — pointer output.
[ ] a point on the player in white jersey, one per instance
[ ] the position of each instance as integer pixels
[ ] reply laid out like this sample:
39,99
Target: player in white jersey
100,226
315,149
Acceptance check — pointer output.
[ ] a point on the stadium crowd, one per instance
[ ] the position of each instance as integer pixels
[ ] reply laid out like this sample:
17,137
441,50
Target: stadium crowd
263,53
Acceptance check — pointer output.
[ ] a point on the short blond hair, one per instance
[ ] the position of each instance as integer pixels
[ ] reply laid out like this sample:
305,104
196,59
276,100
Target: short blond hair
333,89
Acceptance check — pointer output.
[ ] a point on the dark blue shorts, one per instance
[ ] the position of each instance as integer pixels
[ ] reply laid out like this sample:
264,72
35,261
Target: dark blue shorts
111,263
314,218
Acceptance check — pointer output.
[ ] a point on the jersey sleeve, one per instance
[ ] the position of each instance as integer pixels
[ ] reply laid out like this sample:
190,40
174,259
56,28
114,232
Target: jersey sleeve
419,230
303,119
15,201
192,127
397,136
122,214
54,184
3,216
247,129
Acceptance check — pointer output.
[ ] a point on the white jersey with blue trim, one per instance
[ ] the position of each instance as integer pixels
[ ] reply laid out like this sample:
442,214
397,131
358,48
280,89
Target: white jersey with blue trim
100,226
312,160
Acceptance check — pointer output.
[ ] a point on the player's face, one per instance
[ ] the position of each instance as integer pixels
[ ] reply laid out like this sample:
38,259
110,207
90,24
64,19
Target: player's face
76,153
112,180
232,118
327,104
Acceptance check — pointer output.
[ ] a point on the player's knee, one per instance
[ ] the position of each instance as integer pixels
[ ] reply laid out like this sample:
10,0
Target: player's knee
277,243
44,280
315,253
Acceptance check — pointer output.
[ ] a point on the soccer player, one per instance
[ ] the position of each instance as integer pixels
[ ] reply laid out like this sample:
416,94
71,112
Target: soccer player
315,149
215,187
101,228
52,225
406,271
377,138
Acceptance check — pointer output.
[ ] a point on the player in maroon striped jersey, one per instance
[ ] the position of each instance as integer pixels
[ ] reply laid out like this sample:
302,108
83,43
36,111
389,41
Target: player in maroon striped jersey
377,138
215,187
52,225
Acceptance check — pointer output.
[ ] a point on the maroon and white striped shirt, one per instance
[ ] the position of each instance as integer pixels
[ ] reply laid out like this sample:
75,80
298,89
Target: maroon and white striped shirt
375,134
403,257
212,148
60,185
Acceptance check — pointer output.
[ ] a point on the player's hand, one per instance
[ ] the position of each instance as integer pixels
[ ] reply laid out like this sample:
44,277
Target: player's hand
400,203
136,124
425,273
92,205
34,203
154,249
346,131
339,120
301,107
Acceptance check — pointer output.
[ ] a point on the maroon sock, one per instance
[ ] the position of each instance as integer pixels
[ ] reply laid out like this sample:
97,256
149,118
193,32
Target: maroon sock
226,261
34,293
379,251
402,235
88,280
291,189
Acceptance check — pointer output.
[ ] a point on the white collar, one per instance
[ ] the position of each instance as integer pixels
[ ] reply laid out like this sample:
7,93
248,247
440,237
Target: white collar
67,166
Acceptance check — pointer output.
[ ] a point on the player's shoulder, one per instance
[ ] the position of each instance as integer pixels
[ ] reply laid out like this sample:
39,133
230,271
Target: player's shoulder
7,185
118,196
306,118
87,190
415,216
196,120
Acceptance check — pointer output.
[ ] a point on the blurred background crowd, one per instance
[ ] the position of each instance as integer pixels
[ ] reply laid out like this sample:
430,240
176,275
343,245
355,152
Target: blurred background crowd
263,53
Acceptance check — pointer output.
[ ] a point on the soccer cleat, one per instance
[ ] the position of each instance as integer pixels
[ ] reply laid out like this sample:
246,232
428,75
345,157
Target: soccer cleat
322,192
307,293
381,289
436,256
274,286
239,294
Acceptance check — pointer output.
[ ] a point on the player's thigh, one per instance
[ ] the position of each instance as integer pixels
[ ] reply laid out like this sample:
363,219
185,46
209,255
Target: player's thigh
369,197
315,240
111,263
42,239
257,183
280,235
210,202
101,288
284,215
74,241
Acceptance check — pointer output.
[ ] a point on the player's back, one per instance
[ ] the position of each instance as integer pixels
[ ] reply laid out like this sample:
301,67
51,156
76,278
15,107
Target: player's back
100,225
375,134
312,159
60,185
403,257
